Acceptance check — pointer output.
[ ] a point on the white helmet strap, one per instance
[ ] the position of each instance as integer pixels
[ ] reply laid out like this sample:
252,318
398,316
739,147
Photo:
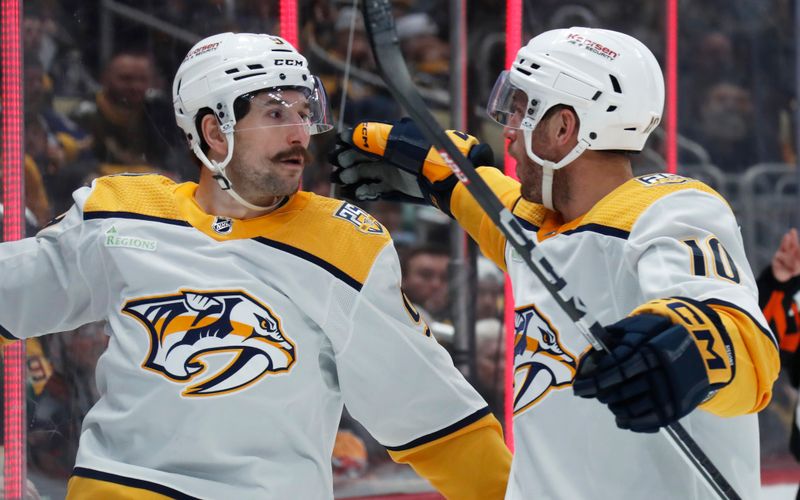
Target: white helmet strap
549,167
218,172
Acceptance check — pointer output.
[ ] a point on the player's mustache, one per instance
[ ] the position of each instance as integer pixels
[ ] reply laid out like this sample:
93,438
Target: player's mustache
293,152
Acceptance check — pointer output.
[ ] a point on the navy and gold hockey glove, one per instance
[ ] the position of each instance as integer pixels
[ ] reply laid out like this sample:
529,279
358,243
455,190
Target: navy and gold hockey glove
664,360
377,160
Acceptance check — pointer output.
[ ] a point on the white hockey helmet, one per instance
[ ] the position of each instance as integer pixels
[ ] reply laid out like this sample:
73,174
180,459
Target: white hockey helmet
611,80
223,67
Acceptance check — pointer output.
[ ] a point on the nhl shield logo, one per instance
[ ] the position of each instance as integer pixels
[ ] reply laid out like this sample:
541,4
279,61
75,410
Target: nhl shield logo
222,225
212,342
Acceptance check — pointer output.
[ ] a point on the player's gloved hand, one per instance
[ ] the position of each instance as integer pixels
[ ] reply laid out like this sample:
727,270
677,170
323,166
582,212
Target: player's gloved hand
395,162
664,360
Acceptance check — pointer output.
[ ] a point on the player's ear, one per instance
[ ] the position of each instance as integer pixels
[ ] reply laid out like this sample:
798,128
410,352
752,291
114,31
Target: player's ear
213,135
566,124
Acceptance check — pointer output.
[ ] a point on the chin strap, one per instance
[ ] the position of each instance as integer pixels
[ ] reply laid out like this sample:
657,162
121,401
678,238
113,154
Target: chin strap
549,167
218,171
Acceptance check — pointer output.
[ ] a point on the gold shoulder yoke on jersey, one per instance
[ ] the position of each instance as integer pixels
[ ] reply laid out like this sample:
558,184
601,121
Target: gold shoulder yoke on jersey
532,213
148,195
337,232
620,209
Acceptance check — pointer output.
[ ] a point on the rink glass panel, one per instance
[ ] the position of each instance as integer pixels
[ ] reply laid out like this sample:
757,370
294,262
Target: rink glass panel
736,116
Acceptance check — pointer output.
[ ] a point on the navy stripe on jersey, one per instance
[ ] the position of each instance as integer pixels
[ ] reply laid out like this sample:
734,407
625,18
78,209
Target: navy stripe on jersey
601,229
6,334
593,228
354,283
133,483
131,215
526,225
443,432
765,331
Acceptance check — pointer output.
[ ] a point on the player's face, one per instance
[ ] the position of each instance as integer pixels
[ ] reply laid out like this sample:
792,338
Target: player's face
425,281
271,146
528,171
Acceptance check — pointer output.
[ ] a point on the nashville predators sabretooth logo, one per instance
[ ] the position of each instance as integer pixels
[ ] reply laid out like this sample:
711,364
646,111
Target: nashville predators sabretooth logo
541,363
227,333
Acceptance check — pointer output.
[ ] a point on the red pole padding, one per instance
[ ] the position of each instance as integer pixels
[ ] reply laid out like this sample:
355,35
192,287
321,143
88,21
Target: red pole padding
513,44
671,143
288,20
13,229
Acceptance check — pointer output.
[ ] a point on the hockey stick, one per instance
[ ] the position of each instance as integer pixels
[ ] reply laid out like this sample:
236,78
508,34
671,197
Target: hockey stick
385,47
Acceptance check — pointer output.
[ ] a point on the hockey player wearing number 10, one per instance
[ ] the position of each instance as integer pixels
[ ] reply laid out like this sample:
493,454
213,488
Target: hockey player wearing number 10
657,258
244,313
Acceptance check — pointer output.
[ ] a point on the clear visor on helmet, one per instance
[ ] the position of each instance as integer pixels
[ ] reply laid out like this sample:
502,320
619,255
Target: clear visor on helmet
290,106
510,106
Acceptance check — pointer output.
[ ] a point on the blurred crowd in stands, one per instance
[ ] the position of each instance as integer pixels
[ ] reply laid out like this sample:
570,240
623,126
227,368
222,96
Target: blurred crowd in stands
97,102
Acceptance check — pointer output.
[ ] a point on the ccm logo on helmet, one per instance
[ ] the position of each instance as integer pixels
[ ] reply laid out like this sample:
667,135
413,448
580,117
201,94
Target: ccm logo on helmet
592,46
288,62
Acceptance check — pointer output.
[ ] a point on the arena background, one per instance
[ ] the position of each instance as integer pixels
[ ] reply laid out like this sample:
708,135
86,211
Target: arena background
730,120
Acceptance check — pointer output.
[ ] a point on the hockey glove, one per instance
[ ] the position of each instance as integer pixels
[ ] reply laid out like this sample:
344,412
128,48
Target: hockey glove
664,360
396,163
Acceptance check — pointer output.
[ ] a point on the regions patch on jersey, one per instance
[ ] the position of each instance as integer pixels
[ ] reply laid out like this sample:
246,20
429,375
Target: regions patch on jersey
661,179
227,335
541,363
112,238
363,221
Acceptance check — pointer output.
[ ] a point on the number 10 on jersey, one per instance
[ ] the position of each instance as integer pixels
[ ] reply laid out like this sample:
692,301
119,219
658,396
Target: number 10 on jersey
712,251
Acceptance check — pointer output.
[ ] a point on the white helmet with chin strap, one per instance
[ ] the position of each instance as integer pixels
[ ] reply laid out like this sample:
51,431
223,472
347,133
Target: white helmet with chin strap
611,80
221,68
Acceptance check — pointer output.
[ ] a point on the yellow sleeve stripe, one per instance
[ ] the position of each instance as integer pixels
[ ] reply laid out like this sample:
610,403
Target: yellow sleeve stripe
88,484
757,364
474,220
470,463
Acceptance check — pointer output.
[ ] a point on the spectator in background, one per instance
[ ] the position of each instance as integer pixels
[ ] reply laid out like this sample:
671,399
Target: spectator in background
706,59
778,285
63,392
53,144
427,54
257,16
490,363
425,281
489,301
38,36
363,100
74,141
724,126
130,120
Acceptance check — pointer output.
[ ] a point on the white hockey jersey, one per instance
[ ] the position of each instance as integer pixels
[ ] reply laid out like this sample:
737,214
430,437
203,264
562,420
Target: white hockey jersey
656,236
233,343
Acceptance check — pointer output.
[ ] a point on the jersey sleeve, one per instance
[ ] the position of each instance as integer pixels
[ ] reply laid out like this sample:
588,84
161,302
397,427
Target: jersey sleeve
46,286
403,387
687,244
474,220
